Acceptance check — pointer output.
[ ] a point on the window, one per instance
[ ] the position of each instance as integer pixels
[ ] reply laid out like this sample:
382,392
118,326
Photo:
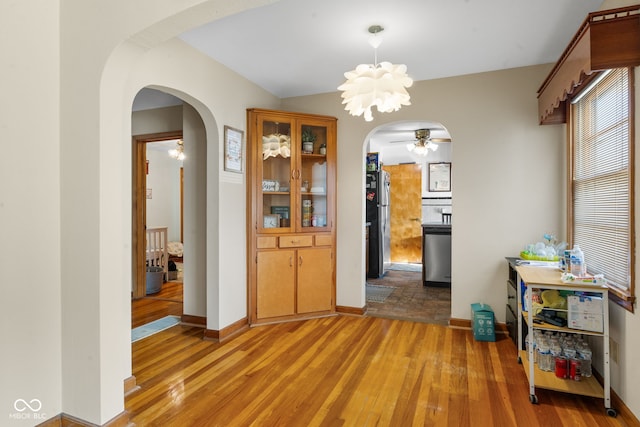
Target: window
601,176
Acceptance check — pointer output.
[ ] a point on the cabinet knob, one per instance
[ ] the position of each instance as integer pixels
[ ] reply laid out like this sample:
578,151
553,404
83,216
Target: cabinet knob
301,260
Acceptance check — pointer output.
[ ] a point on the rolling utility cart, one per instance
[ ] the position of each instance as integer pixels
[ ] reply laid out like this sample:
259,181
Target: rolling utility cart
592,321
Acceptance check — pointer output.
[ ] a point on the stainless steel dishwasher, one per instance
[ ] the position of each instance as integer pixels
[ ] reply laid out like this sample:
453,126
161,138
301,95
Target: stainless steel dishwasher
436,254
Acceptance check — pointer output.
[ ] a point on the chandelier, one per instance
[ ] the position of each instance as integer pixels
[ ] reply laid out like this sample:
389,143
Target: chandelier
178,152
381,85
424,144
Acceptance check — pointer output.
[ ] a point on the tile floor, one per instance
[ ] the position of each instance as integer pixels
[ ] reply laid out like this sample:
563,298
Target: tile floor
410,300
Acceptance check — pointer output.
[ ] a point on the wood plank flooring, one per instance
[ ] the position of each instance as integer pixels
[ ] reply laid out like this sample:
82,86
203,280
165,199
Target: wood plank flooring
167,302
343,371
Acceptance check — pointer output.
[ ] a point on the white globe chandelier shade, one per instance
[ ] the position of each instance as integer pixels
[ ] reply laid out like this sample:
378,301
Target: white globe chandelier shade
381,85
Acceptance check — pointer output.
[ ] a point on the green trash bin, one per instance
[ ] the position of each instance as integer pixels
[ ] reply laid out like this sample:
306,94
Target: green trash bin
155,276
483,322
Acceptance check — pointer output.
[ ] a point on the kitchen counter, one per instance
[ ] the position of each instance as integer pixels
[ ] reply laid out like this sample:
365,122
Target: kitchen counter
436,226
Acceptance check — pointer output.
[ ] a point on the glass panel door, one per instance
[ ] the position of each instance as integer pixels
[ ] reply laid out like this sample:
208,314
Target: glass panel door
313,176
276,176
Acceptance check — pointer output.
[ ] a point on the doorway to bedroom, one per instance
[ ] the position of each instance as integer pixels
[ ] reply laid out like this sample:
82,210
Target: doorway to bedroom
158,228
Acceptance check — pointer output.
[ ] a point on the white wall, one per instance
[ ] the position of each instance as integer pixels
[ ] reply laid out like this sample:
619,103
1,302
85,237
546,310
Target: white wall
163,183
30,210
625,372
196,257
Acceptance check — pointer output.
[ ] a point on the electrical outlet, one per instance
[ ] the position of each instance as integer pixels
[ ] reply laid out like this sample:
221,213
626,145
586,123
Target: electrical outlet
613,350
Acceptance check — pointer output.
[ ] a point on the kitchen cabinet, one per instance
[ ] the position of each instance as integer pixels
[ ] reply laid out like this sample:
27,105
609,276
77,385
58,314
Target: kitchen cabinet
543,278
291,164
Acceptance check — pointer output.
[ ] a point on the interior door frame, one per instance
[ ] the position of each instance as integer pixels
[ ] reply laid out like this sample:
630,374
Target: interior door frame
139,207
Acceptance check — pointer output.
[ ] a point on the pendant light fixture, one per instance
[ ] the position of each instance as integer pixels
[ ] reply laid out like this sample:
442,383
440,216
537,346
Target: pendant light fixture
381,85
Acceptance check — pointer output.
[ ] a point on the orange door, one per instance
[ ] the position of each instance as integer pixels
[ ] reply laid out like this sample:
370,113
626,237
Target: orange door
405,212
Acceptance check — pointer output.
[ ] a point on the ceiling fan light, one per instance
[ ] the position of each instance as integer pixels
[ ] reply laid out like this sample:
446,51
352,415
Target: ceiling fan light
178,152
423,143
417,148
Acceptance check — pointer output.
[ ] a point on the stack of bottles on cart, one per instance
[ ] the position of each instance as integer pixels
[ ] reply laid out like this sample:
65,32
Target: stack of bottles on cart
568,355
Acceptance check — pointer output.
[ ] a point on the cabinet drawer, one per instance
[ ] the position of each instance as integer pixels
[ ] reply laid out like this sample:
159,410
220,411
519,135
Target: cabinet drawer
295,241
324,240
268,242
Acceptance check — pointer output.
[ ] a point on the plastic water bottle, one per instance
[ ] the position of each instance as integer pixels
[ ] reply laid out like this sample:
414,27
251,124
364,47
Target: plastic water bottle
578,267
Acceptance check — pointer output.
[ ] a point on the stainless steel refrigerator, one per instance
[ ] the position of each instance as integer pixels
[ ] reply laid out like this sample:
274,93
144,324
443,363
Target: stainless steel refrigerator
378,188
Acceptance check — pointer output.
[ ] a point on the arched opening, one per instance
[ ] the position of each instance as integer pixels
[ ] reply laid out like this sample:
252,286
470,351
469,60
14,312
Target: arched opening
187,224
96,153
400,205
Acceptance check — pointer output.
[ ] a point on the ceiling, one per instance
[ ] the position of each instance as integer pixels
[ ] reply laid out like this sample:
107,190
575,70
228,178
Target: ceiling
303,47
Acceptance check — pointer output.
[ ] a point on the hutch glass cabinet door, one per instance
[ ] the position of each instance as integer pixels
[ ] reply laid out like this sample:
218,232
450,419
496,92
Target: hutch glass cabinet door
274,213
313,176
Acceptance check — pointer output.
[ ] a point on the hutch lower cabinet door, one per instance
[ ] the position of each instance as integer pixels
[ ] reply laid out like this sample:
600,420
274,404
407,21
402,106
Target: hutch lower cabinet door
315,278
276,283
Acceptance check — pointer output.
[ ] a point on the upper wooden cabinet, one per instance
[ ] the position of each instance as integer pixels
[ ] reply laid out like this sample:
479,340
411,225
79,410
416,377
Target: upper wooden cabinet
291,168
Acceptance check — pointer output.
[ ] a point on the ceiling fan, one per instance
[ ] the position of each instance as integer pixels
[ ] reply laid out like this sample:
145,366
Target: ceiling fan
423,142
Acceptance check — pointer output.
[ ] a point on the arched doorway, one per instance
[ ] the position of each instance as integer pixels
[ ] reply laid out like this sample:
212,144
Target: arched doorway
395,280
154,123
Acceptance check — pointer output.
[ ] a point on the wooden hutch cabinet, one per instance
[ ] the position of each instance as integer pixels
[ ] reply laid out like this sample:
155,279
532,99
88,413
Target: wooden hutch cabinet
291,169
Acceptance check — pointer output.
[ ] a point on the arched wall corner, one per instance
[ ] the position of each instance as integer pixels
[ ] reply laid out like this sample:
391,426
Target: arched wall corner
98,82
116,205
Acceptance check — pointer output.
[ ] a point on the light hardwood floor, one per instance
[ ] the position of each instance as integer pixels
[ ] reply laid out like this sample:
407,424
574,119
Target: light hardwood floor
343,371
167,302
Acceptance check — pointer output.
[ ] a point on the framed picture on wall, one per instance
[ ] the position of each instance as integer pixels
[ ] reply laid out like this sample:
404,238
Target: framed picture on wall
440,176
233,149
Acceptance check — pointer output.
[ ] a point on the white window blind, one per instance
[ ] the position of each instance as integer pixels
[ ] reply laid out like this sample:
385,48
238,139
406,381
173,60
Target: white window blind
601,178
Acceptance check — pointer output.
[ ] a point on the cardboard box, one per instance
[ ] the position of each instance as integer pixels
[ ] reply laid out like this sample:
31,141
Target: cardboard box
585,313
372,162
483,323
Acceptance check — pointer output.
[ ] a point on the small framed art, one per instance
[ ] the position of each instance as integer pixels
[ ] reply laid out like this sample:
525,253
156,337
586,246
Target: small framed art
440,176
233,149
